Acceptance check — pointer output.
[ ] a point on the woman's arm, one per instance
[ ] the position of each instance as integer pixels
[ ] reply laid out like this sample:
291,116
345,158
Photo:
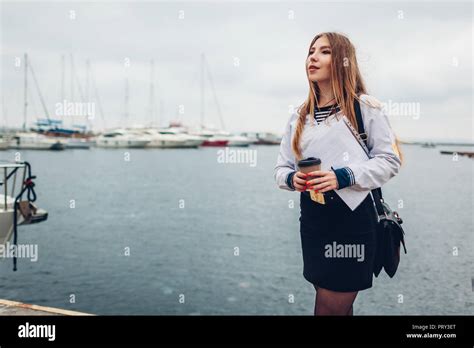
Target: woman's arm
384,162
286,167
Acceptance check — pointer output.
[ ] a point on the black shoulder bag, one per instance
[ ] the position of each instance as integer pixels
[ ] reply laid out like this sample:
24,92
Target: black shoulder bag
389,230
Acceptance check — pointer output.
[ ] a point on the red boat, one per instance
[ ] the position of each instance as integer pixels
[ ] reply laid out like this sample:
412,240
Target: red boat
215,142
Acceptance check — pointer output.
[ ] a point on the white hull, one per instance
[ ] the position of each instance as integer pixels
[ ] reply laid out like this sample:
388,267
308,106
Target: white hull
163,144
6,226
269,139
78,143
168,139
7,203
239,141
120,143
194,142
6,219
174,143
33,141
121,139
223,138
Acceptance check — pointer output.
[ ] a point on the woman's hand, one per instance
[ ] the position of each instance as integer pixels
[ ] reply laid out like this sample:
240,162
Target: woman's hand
325,181
299,181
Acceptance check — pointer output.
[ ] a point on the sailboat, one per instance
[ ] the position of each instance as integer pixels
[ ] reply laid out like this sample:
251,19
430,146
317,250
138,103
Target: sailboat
122,138
188,140
263,138
33,140
163,137
77,136
216,137
72,138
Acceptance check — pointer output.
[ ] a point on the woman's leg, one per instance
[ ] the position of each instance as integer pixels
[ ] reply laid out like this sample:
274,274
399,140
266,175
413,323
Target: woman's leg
333,302
316,297
351,311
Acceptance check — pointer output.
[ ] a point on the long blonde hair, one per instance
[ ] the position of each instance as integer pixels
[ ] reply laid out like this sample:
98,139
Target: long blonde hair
346,81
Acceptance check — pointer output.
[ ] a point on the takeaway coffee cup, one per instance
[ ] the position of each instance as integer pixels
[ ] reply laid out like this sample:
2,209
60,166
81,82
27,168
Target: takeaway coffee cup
308,165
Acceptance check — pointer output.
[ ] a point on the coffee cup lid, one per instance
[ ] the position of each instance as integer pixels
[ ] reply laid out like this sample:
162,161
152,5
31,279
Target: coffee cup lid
310,161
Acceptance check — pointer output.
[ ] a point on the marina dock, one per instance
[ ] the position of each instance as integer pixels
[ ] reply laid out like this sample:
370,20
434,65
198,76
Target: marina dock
460,153
18,308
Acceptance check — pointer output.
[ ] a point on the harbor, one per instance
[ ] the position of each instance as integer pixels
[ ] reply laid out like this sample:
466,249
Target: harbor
188,220
137,161
176,232
58,130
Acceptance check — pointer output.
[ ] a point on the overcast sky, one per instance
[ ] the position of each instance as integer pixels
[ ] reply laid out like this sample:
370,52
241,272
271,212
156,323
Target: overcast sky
408,53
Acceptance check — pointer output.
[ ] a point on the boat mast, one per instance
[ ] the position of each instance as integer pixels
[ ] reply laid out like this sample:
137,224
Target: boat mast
26,94
63,67
87,92
63,63
202,90
72,77
161,113
126,101
219,113
75,77
152,93
45,109
97,97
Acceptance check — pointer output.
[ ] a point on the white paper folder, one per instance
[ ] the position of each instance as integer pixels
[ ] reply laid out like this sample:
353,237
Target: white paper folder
338,145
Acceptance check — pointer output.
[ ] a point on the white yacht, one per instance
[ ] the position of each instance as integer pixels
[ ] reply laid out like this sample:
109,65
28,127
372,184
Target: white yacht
185,139
238,140
74,143
167,138
263,138
78,143
121,138
34,141
222,138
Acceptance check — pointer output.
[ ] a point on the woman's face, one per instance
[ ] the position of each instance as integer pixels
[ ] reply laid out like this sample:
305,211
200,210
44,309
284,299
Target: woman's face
318,63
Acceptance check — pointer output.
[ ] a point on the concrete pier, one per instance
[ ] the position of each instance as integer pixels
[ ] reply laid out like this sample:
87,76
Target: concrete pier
8,307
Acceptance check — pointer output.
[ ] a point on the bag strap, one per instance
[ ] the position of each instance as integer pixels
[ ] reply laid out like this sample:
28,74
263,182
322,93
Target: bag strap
376,193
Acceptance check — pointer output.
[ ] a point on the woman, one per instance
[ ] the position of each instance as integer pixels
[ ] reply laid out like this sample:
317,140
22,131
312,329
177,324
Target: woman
335,83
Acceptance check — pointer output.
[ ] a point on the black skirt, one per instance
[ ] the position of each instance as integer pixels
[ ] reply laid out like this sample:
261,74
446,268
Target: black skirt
338,243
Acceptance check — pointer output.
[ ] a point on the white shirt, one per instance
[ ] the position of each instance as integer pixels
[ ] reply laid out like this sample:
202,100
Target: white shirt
384,162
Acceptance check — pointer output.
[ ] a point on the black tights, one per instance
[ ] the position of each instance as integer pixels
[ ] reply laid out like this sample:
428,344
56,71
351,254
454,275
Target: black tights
329,302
